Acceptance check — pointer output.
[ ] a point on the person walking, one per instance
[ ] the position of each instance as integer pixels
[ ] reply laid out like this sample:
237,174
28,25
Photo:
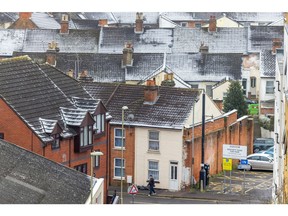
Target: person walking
151,186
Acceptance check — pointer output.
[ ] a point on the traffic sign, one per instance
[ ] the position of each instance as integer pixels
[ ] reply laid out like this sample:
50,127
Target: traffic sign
132,189
227,164
244,167
244,161
234,151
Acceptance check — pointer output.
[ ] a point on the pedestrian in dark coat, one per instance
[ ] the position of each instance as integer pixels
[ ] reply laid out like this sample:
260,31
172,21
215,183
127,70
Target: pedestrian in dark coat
151,185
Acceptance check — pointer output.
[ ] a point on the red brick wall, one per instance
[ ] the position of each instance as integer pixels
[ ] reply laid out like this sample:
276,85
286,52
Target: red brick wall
128,153
216,134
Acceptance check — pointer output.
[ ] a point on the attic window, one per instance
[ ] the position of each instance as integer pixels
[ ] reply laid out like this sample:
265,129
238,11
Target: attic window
56,142
184,24
99,123
86,136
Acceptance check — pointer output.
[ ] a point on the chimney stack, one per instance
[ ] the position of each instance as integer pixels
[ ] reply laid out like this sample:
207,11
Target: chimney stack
102,22
127,59
51,53
212,24
203,48
25,15
139,23
276,43
70,73
84,77
150,92
64,24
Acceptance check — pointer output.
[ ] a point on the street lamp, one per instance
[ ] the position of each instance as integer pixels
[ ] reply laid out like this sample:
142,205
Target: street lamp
203,171
93,154
121,193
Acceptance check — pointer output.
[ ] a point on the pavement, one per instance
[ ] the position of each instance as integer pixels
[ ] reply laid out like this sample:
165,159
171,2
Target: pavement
256,189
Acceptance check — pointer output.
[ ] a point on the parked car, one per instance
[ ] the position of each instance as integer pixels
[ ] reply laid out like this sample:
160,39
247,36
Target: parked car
260,161
269,151
261,144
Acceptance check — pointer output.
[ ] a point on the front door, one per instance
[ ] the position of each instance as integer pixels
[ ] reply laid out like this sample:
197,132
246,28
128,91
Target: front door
173,181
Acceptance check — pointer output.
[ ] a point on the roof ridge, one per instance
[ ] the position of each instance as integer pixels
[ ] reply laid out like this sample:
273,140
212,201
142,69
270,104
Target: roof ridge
17,58
111,96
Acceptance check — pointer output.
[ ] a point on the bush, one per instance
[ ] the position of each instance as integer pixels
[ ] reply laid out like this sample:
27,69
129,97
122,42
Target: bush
267,122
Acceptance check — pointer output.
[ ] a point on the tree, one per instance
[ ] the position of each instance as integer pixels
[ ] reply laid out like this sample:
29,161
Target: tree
235,99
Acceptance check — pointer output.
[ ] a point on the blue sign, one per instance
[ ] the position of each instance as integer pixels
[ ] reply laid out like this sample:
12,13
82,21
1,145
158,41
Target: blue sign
244,161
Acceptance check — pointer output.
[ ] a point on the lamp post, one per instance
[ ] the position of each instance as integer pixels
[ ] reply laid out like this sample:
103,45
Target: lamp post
202,171
93,154
121,192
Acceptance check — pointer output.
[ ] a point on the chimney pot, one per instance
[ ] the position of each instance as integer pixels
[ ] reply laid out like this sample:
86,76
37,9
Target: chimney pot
51,53
150,92
102,22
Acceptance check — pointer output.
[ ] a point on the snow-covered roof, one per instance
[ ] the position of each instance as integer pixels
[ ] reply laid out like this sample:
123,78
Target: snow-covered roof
72,116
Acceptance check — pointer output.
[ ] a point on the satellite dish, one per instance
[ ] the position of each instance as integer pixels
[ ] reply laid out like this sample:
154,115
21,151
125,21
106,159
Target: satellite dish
130,117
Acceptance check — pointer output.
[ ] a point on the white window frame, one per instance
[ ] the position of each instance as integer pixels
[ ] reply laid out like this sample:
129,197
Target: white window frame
119,167
56,142
253,82
153,171
269,88
99,125
153,140
119,138
86,135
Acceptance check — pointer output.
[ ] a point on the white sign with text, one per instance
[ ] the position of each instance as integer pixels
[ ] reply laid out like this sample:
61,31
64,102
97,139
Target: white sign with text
234,151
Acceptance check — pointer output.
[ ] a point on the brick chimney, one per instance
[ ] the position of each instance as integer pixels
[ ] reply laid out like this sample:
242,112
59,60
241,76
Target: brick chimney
276,43
139,23
203,48
127,59
102,22
84,77
151,93
212,24
51,53
25,15
64,24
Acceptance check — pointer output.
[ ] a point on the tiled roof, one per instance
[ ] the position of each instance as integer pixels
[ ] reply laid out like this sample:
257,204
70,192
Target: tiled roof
268,64
205,67
255,16
44,21
7,17
74,41
112,40
27,178
170,111
85,24
11,40
224,40
261,37
36,93
189,16
130,17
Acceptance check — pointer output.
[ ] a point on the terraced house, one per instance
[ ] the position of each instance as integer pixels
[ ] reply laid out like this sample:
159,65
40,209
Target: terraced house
49,113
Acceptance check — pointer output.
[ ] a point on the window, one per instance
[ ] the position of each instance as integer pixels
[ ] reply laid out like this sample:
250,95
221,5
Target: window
86,136
99,125
209,90
154,140
1,135
153,169
118,138
117,168
244,85
269,87
184,24
253,82
81,168
197,25
56,142
194,86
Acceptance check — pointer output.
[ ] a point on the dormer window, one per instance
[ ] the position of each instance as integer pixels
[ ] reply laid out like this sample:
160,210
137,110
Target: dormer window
86,136
99,125
56,142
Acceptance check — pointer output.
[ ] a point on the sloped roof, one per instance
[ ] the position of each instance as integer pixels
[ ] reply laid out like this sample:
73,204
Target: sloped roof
255,16
11,40
28,178
44,21
268,64
224,40
29,91
130,17
261,37
7,17
190,16
205,66
170,111
112,40
85,24
74,41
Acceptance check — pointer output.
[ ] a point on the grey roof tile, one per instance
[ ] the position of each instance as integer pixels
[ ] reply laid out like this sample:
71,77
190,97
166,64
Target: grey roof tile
151,40
130,17
27,178
44,21
268,64
255,16
170,111
11,40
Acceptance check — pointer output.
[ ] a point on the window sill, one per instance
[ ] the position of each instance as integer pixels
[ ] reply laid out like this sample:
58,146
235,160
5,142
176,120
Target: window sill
153,151
119,149
119,178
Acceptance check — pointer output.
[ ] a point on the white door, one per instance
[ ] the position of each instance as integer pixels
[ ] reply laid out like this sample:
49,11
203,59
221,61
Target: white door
173,181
